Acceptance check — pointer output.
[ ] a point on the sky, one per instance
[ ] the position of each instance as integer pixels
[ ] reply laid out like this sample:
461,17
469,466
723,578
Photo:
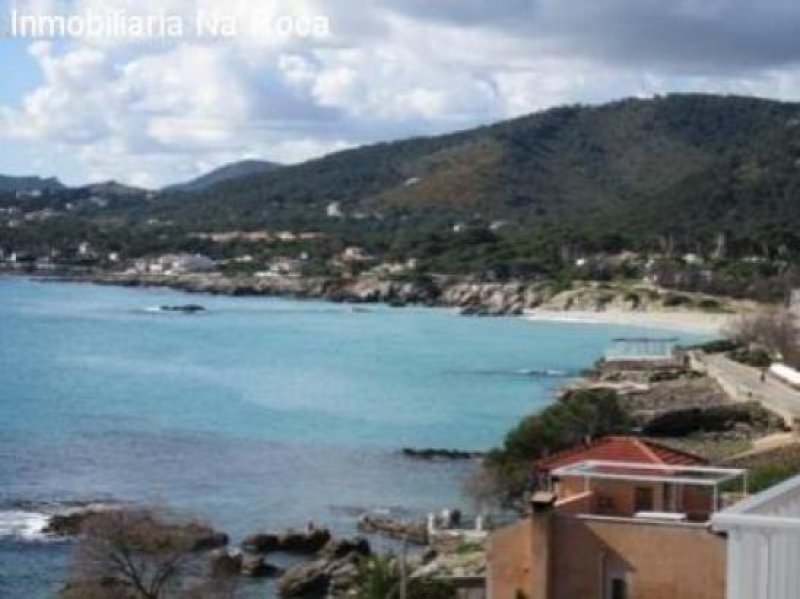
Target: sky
292,80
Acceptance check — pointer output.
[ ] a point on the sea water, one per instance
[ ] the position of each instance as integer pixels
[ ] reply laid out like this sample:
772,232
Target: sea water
254,414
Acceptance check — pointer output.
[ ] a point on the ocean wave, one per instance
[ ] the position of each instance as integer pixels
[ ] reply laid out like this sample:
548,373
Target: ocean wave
527,372
356,511
27,521
23,525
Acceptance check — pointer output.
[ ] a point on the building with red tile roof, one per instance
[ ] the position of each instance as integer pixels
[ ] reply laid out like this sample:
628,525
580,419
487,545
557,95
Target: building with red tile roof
618,449
618,517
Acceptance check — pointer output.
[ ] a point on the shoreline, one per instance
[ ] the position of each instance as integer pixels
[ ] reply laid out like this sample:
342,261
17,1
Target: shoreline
470,299
684,321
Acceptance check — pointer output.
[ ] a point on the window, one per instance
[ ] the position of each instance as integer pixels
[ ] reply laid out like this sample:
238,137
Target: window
619,589
643,499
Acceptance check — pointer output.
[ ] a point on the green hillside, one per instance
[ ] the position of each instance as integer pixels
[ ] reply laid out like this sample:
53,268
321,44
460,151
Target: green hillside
557,195
635,166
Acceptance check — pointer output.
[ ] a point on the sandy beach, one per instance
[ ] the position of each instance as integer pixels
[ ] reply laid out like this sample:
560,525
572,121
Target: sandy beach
695,322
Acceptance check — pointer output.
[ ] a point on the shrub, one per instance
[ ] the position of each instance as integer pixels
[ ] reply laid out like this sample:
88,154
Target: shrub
581,414
757,357
675,300
771,474
717,346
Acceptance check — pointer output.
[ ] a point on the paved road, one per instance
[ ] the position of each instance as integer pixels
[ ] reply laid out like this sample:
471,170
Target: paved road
744,383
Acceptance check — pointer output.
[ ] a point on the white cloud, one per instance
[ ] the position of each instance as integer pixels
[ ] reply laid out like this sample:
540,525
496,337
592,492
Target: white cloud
164,110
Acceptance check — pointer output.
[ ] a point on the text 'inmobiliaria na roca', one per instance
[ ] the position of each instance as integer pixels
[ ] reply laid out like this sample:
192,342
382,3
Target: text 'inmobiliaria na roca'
120,24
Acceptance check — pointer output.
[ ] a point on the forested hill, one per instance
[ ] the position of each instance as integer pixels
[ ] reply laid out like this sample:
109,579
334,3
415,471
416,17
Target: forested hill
679,163
235,170
28,184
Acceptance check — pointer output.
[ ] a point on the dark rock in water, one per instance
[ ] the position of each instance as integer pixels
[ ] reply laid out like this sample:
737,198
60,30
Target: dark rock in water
186,309
444,454
200,536
339,548
310,580
66,525
332,574
224,564
261,543
291,541
205,538
70,522
254,566
304,542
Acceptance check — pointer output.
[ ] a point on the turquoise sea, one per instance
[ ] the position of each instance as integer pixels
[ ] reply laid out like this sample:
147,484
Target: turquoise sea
259,413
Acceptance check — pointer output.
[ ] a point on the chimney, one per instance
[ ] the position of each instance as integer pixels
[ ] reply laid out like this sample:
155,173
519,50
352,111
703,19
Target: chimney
542,502
541,520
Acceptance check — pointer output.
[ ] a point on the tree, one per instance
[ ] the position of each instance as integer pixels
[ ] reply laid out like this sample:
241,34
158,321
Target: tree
774,330
136,554
379,578
484,489
580,415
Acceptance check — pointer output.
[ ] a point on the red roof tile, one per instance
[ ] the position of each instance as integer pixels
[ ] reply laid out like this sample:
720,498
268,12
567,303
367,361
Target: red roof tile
619,449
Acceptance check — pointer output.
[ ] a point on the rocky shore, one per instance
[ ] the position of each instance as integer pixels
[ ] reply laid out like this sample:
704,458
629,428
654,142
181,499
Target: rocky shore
322,566
471,297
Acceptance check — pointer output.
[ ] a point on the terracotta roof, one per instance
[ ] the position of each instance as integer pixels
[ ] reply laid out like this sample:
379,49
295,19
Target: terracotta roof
619,449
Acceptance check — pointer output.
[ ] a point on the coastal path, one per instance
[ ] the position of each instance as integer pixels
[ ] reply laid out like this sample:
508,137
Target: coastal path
745,383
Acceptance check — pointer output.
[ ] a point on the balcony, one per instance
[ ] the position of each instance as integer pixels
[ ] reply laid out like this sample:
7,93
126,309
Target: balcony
647,492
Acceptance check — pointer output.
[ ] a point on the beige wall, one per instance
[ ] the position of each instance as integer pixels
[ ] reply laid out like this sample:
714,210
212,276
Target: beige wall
657,561
511,561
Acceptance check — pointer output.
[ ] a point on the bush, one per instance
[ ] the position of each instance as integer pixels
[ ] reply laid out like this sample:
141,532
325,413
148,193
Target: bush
676,300
680,423
581,414
774,330
717,346
757,357
710,305
771,474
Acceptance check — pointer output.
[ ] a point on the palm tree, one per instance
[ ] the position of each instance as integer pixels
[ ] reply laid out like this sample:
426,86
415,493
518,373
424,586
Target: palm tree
378,578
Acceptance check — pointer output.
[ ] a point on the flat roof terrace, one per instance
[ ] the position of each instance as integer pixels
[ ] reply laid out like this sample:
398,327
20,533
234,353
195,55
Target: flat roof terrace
676,481
660,473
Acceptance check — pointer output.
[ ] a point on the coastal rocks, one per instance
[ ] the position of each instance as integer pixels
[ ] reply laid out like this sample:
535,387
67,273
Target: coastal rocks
304,542
333,572
466,560
205,538
440,454
66,525
415,532
306,580
254,566
69,522
495,299
308,542
261,543
472,296
183,309
339,548
199,537
226,564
